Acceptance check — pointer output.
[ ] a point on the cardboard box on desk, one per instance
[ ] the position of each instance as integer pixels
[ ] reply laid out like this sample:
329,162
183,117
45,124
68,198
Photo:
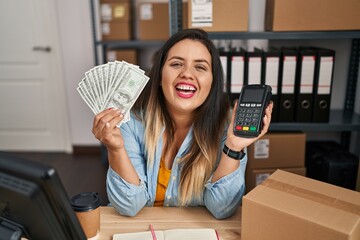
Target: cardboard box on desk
309,15
219,15
153,19
289,206
277,150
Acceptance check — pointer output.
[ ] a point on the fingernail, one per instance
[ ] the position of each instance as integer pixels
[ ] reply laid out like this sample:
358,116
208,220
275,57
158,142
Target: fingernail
118,111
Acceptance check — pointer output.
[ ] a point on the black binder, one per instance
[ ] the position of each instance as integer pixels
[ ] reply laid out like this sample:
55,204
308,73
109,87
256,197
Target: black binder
287,85
324,70
305,85
237,74
271,67
253,67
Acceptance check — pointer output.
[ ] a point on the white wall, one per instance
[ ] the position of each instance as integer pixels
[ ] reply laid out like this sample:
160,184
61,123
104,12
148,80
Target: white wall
74,21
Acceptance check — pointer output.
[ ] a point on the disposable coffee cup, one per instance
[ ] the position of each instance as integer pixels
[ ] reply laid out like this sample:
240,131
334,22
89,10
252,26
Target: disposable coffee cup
86,206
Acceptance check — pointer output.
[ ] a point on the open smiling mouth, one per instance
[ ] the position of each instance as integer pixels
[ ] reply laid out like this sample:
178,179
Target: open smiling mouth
185,90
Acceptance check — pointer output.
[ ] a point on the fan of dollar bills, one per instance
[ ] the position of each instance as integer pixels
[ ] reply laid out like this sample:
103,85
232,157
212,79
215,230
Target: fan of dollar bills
112,85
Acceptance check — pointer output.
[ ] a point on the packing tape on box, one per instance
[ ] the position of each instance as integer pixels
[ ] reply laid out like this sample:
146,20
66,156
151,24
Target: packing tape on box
312,196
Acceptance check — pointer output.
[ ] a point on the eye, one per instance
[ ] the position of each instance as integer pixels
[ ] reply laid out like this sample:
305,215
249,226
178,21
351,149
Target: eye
176,64
201,67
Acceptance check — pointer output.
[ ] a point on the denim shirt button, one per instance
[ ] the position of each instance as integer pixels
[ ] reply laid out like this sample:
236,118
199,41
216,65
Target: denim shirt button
168,197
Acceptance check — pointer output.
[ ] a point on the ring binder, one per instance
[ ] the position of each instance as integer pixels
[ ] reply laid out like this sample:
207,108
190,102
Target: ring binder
271,64
324,69
305,85
237,74
287,86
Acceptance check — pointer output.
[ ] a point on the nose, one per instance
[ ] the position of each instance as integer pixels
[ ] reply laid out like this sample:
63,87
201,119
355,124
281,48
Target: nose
186,72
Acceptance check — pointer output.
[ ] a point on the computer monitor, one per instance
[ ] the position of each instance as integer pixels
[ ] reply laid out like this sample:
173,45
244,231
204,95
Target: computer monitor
33,202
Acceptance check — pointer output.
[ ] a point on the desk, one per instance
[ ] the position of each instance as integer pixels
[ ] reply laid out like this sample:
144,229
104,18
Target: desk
163,218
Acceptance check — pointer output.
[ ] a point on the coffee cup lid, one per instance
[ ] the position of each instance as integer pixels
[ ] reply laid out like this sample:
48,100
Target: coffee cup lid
85,201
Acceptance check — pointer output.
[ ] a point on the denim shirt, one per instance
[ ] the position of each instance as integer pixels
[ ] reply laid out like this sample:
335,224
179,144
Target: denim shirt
221,198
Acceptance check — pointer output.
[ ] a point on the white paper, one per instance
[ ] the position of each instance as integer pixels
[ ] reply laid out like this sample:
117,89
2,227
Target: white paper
261,149
202,13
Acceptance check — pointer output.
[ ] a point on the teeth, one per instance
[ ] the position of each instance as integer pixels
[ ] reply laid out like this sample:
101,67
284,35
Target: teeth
185,88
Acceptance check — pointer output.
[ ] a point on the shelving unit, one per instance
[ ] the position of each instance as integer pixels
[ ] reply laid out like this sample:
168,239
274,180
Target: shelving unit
345,121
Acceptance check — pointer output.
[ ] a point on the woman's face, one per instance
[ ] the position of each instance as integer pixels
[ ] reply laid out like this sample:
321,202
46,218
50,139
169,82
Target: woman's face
186,76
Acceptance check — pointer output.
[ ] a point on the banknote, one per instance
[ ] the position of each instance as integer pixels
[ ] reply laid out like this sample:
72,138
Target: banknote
115,84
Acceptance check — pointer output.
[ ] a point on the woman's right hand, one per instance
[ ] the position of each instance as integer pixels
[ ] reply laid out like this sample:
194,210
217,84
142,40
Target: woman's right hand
105,130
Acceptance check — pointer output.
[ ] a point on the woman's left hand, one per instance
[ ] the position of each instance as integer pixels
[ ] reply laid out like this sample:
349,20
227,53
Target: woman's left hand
239,143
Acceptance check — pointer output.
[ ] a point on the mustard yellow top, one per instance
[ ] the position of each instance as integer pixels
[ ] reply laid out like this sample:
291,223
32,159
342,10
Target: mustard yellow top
162,183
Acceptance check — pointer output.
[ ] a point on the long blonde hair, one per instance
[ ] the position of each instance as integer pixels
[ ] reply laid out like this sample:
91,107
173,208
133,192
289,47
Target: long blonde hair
208,124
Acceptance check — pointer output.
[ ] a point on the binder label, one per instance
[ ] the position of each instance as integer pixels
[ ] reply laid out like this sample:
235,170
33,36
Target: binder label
288,79
272,73
325,75
237,74
307,74
254,70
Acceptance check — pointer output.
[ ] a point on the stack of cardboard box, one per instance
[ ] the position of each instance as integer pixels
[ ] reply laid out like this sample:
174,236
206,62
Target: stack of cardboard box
115,16
274,151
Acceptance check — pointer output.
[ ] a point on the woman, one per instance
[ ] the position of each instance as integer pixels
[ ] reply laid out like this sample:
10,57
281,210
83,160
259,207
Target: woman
171,151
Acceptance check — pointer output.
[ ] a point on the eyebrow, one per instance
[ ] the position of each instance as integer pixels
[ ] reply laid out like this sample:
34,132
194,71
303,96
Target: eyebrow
197,60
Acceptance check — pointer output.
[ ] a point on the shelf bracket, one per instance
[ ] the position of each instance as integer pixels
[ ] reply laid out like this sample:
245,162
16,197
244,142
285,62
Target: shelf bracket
93,27
175,14
350,94
352,75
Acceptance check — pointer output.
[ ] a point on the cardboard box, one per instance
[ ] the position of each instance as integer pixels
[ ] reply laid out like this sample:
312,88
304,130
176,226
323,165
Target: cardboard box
254,177
128,55
277,150
309,15
153,20
289,206
115,30
115,11
219,15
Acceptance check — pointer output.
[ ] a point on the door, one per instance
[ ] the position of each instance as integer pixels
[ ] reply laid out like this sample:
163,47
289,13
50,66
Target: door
33,114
